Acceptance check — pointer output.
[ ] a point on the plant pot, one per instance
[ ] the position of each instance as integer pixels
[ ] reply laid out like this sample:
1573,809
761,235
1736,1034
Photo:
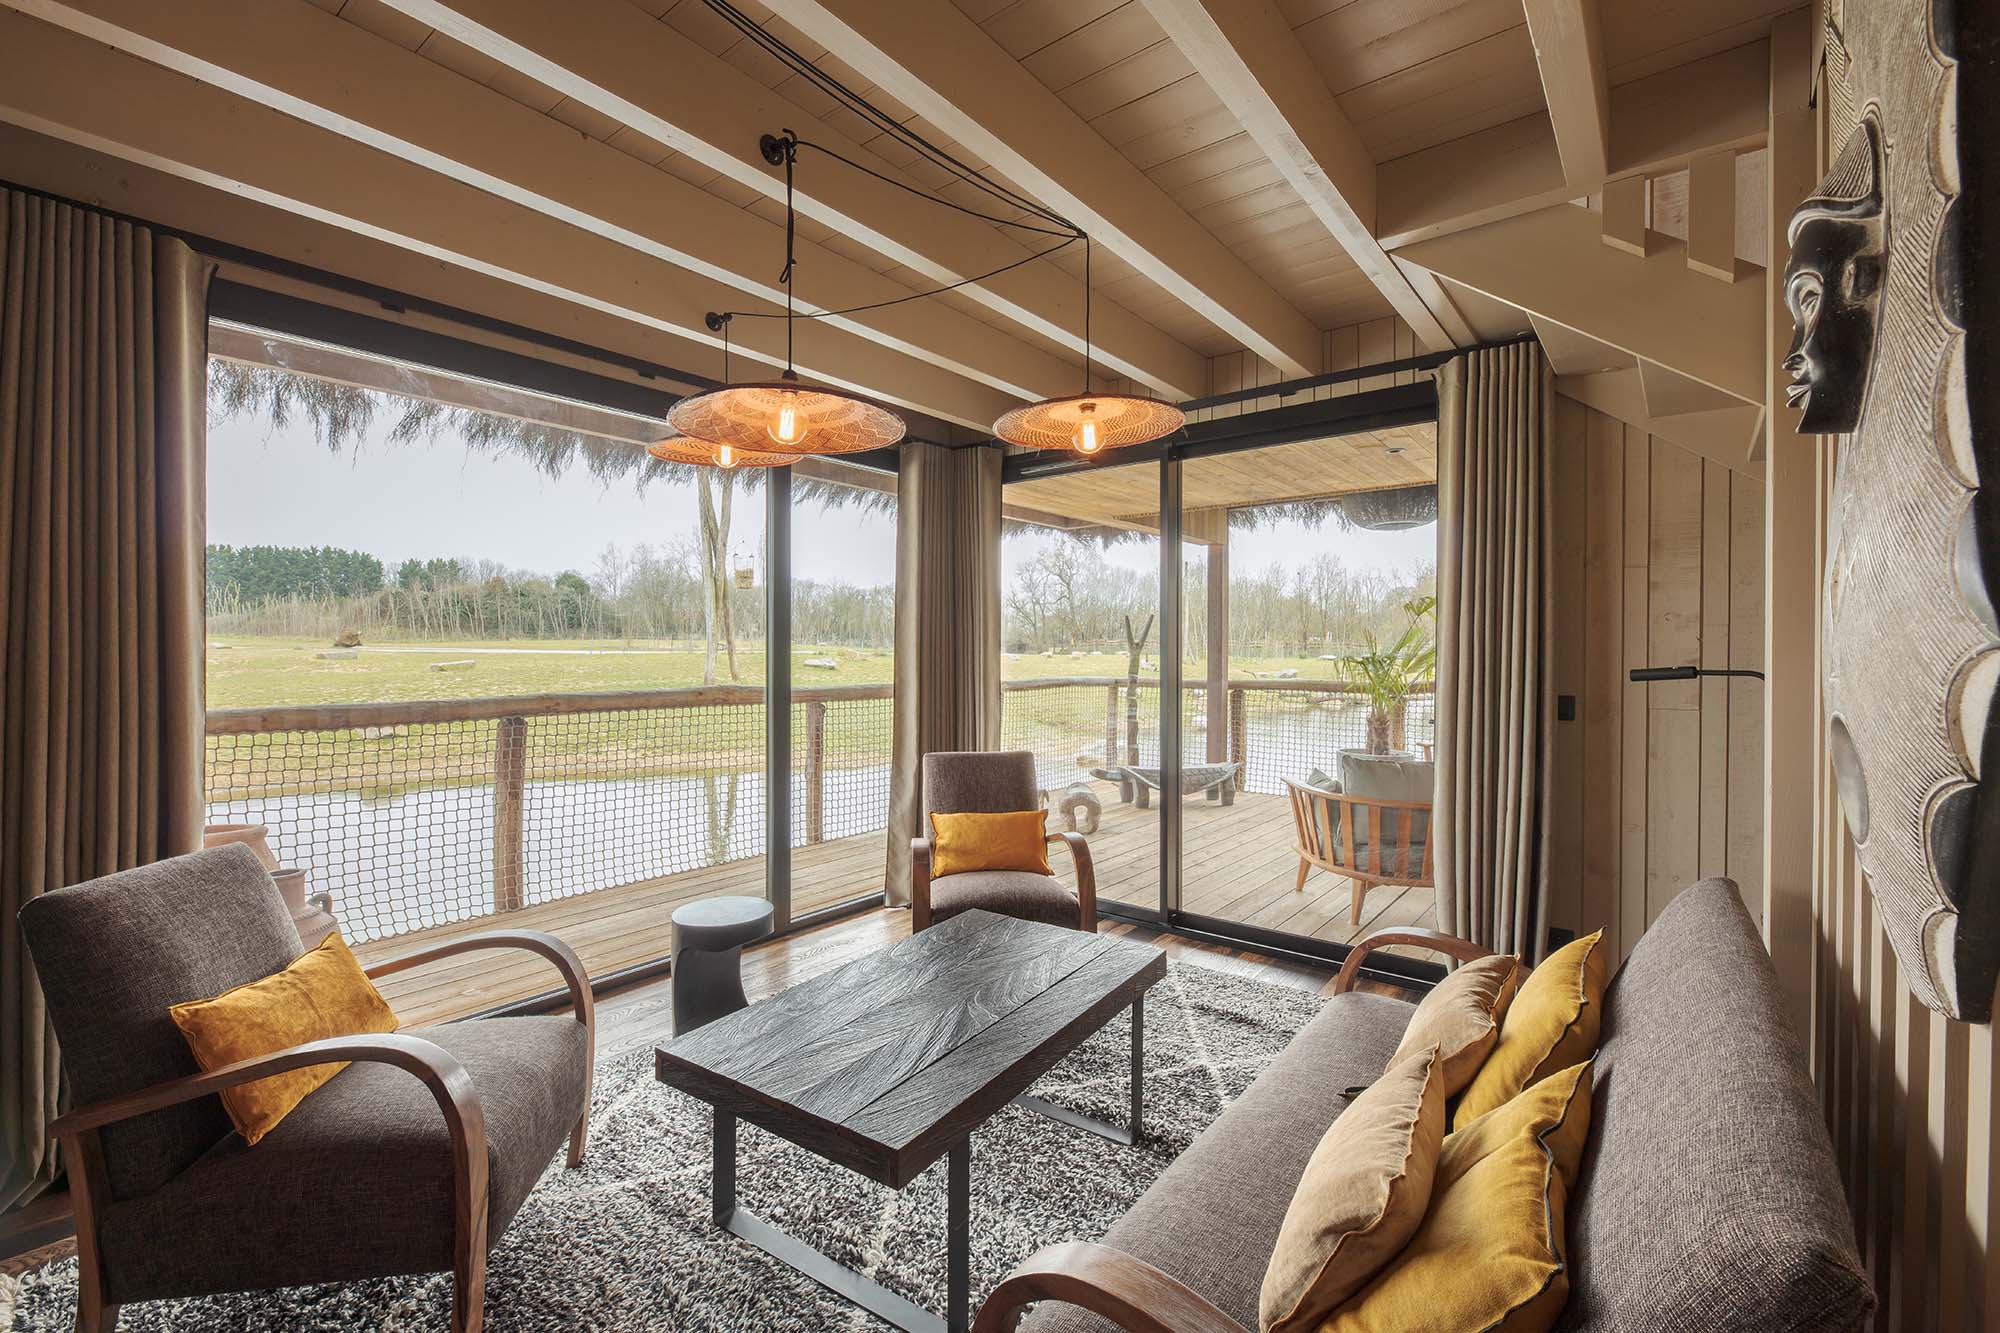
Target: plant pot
254,836
291,881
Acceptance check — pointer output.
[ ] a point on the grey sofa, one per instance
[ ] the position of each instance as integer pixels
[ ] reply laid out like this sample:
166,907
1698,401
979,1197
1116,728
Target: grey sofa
1709,1197
414,1158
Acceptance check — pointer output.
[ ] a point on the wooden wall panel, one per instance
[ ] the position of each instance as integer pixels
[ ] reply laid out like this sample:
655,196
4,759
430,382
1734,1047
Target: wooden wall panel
1663,570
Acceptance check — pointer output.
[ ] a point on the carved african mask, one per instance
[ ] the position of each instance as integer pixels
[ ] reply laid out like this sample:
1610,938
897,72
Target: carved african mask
1833,286
1898,346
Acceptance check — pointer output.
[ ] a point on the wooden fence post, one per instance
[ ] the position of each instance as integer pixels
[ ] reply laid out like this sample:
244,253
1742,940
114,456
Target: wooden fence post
1111,760
510,781
1239,735
816,771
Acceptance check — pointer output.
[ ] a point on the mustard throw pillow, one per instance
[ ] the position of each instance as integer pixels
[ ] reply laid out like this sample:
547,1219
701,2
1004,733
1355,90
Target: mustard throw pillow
1490,1254
1009,840
1462,1016
1361,1198
324,993
1552,1024
1555,1110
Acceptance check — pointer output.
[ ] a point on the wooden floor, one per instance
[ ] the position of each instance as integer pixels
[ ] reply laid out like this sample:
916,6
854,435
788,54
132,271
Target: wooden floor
642,1015
1237,865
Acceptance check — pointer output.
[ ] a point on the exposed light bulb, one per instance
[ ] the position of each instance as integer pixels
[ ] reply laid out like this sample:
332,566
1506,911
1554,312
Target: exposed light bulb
1087,440
725,455
785,427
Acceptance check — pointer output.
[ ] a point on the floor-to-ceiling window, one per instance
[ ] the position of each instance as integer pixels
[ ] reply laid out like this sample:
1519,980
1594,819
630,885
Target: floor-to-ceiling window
475,658
1080,638
1304,657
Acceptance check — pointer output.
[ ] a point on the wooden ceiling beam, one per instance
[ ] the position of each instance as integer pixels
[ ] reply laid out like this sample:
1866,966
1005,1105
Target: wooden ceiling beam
1569,51
297,58
617,60
1657,124
1248,54
941,64
52,82
1553,265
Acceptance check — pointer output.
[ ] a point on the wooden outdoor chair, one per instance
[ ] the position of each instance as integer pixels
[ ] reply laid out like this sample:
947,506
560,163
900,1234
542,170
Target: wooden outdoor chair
412,1159
1338,833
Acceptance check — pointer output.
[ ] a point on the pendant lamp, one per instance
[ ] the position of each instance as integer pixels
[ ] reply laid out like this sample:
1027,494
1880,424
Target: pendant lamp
1089,423
786,415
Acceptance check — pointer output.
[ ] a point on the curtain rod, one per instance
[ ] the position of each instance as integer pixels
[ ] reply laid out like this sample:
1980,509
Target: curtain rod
1283,388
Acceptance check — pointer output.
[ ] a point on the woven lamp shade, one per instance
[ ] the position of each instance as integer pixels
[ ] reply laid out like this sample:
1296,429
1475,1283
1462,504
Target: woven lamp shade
687,449
828,421
1121,420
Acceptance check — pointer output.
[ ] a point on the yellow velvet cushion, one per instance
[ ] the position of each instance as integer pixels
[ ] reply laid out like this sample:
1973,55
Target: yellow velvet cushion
1361,1198
1462,1016
1555,1110
1008,840
324,993
1489,1255
1552,1024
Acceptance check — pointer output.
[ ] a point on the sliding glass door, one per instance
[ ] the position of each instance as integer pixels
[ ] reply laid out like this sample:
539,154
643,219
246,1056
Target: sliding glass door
1281,598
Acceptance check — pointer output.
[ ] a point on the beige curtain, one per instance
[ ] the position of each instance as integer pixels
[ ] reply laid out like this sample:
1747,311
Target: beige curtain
947,624
1495,700
103,351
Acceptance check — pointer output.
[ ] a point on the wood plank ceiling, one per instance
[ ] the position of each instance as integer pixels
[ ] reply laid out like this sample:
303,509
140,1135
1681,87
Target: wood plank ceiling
516,102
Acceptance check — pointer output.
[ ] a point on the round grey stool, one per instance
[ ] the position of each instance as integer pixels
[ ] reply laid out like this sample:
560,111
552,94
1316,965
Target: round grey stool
709,935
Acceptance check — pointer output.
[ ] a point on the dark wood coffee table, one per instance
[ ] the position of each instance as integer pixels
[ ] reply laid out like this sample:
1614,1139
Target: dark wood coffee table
889,1063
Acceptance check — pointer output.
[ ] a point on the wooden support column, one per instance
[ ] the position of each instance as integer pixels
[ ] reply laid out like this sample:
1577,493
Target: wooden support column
1625,215
816,770
1791,563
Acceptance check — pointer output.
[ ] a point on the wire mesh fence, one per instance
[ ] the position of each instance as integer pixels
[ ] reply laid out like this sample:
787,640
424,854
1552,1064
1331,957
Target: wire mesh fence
421,814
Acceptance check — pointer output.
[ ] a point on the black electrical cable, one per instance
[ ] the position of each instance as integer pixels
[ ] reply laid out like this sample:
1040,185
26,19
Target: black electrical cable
1070,231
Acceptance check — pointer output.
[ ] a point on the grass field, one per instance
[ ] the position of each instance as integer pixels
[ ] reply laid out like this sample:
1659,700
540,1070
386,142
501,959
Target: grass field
248,672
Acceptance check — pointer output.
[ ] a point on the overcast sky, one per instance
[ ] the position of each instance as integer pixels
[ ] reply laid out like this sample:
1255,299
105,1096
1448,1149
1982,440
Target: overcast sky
441,499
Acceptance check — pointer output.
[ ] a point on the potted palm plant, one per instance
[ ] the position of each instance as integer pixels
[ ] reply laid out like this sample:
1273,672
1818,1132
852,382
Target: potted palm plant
1387,674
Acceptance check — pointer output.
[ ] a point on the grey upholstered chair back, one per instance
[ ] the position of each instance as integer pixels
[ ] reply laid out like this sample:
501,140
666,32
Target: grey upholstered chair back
964,781
114,953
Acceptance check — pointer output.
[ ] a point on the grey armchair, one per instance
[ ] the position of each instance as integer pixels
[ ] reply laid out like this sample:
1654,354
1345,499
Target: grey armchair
963,781
412,1159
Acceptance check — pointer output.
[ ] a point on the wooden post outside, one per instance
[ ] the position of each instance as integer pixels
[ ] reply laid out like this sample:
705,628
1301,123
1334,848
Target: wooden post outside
1218,644
816,771
510,780
1239,734
1111,727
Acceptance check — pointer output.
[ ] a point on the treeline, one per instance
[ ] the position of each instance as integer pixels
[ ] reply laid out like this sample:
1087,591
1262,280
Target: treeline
647,592
1068,598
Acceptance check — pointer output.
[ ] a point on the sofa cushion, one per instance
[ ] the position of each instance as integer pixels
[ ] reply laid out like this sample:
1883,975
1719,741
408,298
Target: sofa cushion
356,1182
1555,1021
1709,1197
1212,1218
1462,1016
1362,1196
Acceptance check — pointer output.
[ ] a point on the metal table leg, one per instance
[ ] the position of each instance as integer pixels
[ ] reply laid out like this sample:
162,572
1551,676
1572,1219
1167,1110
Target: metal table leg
837,1277
1134,1127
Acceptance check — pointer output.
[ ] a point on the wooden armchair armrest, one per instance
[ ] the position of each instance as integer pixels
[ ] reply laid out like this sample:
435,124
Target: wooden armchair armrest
920,884
1130,1292
1350,971
534,941
1086,876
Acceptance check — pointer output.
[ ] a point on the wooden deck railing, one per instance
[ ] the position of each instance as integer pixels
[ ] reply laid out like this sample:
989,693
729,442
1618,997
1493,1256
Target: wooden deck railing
855,743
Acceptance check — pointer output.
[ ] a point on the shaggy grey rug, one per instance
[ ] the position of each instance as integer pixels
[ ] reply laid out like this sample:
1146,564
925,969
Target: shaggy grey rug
625,1243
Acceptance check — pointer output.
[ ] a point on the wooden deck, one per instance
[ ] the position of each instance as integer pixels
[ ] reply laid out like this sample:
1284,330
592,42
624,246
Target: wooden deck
1238,866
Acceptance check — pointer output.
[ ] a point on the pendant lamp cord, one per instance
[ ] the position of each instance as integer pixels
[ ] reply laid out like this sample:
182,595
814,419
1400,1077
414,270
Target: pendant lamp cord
791,147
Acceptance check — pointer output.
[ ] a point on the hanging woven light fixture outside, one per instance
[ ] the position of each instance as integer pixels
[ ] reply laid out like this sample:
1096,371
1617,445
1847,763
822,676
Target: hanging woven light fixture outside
1089,423
784,416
